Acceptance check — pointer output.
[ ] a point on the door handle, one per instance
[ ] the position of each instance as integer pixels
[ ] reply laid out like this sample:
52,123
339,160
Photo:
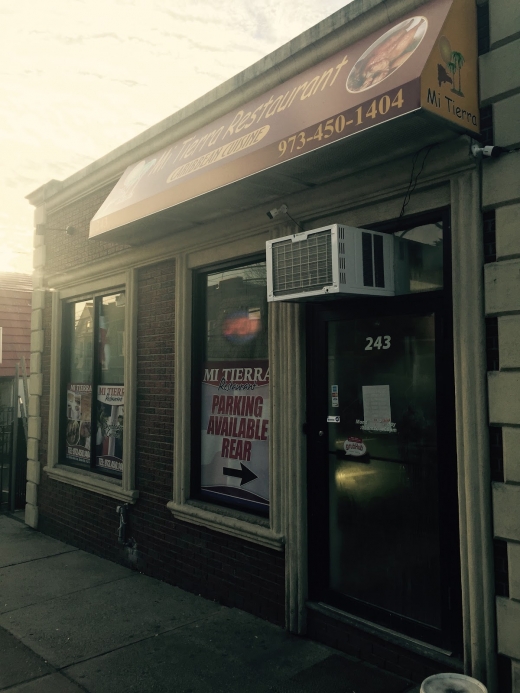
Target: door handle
321,433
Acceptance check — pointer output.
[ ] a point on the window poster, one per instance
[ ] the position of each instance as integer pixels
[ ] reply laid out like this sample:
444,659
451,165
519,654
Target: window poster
235,432
79,401
377,414
109,434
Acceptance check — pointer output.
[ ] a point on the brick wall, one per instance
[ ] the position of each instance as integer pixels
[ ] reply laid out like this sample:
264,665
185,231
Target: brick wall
64,251
220,567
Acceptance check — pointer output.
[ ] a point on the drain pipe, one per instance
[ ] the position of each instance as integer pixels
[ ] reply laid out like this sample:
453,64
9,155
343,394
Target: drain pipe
122,511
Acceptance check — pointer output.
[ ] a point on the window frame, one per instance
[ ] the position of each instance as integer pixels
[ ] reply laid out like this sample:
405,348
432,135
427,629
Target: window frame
199,320
267,532
95,378
120,487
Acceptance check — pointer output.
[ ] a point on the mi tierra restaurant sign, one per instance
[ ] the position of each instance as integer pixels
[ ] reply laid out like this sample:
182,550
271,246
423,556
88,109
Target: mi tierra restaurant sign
426,60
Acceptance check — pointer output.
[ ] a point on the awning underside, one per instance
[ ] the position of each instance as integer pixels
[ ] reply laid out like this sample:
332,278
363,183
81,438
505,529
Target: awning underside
394,139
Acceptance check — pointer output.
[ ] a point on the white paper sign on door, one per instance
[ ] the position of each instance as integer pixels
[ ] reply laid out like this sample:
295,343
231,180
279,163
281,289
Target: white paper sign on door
377,414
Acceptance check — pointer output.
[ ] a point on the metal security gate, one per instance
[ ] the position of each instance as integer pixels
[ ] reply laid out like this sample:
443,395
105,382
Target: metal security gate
6,455
20,470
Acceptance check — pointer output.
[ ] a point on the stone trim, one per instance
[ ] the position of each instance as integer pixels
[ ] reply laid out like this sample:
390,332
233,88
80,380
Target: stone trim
91,481
476,547
289,450
36,377
228,521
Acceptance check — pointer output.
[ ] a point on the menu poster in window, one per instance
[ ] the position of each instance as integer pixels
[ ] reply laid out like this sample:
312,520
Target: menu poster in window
235,432
77,434
109,434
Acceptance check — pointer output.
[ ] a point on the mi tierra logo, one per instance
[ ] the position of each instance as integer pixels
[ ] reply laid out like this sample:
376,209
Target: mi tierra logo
449,72
454,62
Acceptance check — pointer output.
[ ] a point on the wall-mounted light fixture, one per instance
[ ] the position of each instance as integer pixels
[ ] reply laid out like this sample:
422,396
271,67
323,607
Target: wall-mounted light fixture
69,230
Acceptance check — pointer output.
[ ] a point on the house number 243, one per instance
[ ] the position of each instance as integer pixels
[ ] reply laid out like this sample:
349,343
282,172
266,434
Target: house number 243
381,342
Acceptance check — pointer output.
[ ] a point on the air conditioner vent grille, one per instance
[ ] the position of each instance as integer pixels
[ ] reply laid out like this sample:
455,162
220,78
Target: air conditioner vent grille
302,266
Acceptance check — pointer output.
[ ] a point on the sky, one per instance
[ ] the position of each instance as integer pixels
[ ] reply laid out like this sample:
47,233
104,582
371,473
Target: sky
80,77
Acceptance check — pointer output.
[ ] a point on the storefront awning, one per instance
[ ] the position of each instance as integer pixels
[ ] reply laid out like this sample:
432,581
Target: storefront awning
415,81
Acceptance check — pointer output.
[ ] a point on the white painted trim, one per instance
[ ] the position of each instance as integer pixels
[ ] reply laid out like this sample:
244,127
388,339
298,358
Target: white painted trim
89,479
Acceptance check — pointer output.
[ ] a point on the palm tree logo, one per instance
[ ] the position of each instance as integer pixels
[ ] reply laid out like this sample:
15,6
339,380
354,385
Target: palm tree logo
454,62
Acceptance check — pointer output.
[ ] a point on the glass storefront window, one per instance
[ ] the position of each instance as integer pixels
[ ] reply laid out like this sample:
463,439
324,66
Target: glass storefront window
82,315
100,321
234,373
79,327
110,383
419,259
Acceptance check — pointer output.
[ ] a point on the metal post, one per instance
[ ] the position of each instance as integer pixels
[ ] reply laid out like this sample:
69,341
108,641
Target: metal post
12,492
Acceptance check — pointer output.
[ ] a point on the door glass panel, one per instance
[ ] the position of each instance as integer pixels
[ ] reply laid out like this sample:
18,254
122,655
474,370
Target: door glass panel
383,477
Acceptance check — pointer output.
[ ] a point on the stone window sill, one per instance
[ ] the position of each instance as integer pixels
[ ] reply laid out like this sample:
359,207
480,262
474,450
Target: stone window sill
90,481
229,521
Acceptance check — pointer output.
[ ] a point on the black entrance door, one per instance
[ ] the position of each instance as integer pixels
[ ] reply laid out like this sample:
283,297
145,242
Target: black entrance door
382,468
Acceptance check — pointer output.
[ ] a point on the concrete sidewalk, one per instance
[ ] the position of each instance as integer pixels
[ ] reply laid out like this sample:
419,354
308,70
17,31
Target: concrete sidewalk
72,622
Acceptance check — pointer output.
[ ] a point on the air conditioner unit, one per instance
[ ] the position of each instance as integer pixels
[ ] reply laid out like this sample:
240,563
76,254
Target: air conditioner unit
334,260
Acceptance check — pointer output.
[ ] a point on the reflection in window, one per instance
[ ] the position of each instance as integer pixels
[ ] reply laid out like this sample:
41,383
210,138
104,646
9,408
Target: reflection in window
82,318
236,306
100,321
111,338
419,259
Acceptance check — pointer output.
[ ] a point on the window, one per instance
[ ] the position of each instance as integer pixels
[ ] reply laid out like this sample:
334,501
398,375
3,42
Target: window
231,388
419,258
93,387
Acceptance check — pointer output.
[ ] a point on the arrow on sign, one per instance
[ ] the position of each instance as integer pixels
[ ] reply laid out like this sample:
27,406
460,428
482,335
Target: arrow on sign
245,474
